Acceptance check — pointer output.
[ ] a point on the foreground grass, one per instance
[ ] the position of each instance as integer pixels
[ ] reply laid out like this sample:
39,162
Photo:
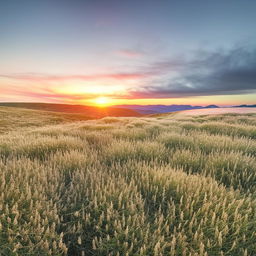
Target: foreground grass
20,119
129,186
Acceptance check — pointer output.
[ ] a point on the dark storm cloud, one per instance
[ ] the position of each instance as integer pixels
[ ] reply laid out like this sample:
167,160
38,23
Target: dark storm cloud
206,73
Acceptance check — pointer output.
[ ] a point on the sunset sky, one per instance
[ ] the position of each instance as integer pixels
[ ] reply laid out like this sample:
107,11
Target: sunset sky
128,52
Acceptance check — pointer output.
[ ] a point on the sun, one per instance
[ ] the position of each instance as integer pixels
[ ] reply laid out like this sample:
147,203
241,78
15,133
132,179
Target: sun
102,101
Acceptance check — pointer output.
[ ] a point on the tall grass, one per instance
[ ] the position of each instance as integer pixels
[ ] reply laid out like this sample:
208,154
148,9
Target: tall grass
130,186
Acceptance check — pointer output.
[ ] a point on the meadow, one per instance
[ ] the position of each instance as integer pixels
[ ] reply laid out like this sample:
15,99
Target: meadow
121,186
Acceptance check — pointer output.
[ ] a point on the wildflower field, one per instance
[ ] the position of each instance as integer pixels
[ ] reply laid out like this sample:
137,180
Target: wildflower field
152,186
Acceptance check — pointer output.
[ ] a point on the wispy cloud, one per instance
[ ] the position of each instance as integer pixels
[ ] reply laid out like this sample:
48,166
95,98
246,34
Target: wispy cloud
47,77
47,94
130,53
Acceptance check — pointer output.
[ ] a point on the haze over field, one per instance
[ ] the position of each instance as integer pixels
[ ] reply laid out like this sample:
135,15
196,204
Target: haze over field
218,111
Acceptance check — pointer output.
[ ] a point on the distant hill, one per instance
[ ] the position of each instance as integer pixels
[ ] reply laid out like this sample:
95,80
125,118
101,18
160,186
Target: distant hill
155,109
245,106
98,112
89,111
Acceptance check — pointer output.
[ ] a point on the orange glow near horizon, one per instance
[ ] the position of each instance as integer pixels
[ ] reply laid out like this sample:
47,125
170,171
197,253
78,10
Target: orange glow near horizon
102,101
221,100
94,94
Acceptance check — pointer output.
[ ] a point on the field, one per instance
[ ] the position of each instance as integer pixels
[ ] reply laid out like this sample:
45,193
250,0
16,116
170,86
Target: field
144,186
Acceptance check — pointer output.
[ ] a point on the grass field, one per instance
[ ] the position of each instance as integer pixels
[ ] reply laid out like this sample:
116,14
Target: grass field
152,186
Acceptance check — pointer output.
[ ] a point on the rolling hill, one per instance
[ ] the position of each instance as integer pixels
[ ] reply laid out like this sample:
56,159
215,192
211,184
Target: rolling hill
88,111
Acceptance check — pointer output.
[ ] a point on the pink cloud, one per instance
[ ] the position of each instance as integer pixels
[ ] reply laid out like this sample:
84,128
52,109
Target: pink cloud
45,77
16,93
130,53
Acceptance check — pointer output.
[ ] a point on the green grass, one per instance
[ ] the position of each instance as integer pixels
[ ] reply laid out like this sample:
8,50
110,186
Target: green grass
127,186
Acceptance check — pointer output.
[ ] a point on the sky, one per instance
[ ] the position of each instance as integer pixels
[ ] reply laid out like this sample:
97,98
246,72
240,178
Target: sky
96,52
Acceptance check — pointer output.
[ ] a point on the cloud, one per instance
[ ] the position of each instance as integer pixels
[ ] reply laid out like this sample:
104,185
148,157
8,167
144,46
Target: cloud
203,73
47,93
40,94
206,73
130,53
51,78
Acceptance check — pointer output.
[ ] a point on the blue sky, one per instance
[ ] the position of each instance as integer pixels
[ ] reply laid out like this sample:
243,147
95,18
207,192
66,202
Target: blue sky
129,51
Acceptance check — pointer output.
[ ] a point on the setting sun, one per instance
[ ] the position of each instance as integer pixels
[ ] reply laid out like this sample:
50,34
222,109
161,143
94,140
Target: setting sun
102,101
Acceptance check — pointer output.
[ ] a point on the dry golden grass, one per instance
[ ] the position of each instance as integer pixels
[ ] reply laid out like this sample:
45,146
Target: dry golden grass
153,186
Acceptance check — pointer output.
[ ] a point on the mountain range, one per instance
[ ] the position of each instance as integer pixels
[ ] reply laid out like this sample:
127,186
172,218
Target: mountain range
246,106
155,109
